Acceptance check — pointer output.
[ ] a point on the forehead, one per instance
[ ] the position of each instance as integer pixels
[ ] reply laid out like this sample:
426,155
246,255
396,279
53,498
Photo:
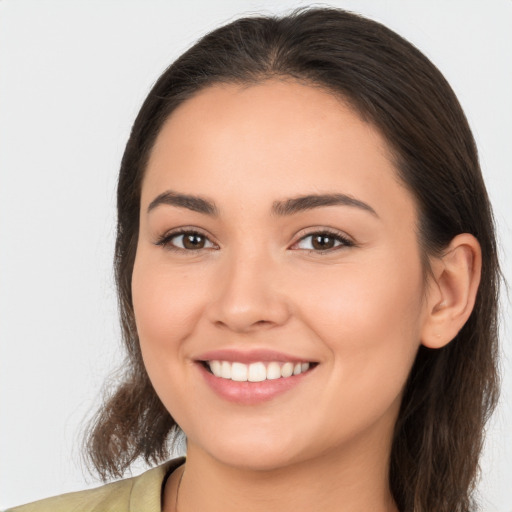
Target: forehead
279,138
274,113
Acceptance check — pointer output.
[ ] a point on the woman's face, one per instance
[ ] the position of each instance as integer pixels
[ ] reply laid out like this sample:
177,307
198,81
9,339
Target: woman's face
275,234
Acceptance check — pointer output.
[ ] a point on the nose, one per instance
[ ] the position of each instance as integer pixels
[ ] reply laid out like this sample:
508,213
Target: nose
247,294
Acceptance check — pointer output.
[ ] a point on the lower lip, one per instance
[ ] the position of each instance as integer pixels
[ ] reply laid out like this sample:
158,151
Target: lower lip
249,393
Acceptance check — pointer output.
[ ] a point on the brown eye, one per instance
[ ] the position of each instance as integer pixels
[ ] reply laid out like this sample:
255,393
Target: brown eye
186,241
193,241
321,242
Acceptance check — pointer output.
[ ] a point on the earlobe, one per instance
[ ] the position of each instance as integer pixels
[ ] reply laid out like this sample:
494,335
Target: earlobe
453,288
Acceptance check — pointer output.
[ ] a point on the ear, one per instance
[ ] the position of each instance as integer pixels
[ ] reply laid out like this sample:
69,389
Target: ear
452,291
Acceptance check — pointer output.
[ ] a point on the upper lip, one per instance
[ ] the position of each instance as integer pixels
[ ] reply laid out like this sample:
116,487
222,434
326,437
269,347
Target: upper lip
250,356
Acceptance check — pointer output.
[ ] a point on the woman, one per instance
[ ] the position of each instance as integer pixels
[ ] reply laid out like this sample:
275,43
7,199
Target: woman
307,274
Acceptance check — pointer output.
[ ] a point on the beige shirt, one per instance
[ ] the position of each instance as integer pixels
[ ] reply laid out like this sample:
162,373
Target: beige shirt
141,493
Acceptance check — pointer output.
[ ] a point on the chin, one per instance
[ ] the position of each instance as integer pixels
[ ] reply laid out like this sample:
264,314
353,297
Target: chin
252,452
255,459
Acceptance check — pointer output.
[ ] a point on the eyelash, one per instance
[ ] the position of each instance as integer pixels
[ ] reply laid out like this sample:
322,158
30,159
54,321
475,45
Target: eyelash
165,240
343,241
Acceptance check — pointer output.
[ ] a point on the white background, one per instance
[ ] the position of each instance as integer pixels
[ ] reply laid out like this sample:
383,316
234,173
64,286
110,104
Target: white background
72,77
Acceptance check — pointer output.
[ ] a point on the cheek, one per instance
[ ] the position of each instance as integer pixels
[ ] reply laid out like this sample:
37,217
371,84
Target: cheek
167,307
370,323
166,304
363,297
369,317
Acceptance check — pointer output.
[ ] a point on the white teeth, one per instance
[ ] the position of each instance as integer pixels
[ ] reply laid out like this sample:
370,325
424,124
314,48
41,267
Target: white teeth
287,370
239,372
256,372
273,371
225,370
215,367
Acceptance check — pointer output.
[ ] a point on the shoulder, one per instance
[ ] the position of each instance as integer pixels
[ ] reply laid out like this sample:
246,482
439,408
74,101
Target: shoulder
143,492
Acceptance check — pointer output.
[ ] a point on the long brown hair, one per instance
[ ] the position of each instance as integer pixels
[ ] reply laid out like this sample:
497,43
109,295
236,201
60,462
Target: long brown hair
450,392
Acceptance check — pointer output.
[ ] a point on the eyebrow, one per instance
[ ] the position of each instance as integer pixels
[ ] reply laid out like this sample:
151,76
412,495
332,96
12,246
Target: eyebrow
308,202
281,208
194,203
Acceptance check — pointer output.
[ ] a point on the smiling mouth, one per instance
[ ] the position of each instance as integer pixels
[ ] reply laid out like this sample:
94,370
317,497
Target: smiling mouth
257,371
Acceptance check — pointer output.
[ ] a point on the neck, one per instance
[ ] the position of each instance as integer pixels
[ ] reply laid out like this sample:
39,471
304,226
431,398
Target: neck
354,480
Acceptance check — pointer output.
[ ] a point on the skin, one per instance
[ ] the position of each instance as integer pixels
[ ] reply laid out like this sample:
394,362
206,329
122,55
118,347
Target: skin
360,310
